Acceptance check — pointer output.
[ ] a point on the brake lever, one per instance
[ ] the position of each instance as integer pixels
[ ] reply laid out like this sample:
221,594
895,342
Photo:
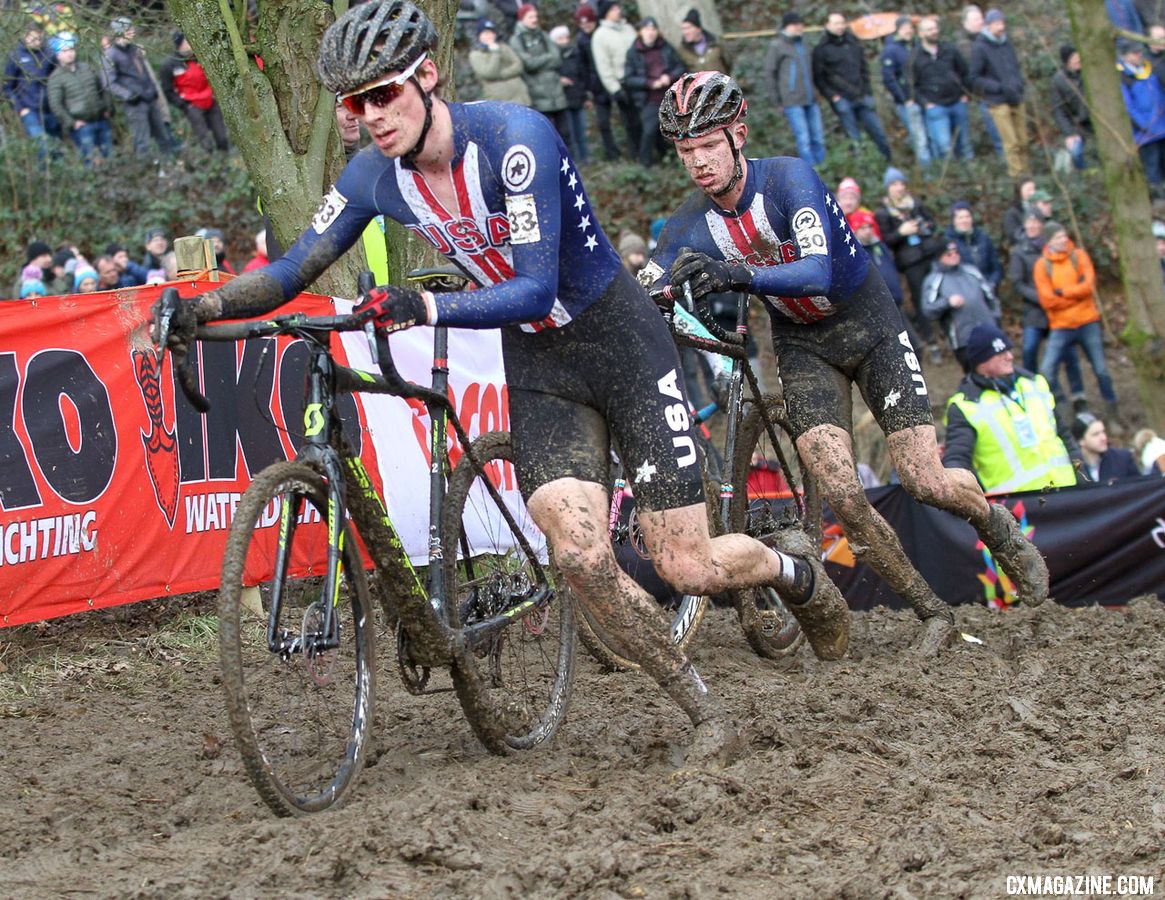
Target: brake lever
161,334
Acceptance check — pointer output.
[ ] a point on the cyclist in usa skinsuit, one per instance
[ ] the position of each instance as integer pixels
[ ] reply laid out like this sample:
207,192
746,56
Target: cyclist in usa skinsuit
772,228
493,188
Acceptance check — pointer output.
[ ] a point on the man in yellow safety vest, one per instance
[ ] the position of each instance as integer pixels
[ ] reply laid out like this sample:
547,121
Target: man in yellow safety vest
1002,422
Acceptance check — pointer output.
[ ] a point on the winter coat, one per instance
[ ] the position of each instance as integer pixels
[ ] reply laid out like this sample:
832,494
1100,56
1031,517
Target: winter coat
895,70
789,71
77,94
713,58
542,63
883,260
961,436
1069,272
184,83
980,304
1114,463
909,250
26,76
995,72
129,77
499,72
1069,109
840,69
940,78
609,46
1021,272
644,65
583,41
576,67
1145,102
978,250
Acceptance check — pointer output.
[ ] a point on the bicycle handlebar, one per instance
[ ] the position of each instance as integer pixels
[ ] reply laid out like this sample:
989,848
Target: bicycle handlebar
699,310
390,382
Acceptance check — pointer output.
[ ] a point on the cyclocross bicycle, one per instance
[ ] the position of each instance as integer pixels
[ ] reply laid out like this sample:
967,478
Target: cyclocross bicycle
756,431
296,618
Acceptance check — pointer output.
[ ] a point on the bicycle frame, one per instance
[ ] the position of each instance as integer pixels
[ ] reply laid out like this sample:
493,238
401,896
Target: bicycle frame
421,607
732,345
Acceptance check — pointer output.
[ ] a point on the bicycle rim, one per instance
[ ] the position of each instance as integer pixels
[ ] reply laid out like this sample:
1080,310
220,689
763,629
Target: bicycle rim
301,717
514,685
768,626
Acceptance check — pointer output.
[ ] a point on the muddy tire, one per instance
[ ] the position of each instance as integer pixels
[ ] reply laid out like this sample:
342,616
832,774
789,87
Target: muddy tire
768,626
301,718
515,685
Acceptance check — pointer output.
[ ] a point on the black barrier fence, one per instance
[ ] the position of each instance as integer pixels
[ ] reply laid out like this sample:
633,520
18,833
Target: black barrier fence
1104,543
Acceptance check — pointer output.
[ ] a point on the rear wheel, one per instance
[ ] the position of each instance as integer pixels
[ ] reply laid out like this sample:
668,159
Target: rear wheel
300,708
514,681
757,508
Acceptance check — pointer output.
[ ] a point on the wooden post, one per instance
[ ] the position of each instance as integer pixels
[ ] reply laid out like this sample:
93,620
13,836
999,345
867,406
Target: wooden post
194,255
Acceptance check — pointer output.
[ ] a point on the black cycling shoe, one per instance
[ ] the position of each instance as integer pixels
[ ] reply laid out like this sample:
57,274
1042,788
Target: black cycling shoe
824,617
1017,556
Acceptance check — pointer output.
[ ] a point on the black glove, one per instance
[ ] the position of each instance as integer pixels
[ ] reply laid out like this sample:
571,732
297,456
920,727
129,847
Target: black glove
709,276
179,330
393,309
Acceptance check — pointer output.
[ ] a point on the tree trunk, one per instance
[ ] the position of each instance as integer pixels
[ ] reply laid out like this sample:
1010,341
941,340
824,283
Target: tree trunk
1128,196
279,118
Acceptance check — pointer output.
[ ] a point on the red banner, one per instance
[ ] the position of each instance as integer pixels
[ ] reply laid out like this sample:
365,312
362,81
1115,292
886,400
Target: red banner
112,487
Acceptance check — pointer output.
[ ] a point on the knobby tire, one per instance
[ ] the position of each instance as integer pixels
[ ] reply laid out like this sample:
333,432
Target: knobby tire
280,708
514,688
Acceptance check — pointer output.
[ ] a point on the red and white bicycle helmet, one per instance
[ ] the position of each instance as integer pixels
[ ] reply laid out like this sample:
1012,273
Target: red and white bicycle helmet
700,103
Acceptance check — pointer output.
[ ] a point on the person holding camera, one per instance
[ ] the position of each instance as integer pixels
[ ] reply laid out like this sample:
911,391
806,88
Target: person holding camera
912,234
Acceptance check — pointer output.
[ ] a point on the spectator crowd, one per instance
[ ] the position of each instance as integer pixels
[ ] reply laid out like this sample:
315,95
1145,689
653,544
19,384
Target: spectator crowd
62,93
597,72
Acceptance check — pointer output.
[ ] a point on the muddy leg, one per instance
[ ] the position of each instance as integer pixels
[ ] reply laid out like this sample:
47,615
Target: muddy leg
915,455
828,452
573,516
691,561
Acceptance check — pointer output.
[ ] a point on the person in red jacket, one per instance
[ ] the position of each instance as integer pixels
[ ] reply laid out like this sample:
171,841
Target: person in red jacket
184,84
1066,283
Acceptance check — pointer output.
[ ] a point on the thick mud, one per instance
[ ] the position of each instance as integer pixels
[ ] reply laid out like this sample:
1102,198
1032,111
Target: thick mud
1039,751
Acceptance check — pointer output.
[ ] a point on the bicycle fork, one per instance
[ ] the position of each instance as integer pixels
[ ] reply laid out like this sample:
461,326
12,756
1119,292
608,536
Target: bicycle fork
317,425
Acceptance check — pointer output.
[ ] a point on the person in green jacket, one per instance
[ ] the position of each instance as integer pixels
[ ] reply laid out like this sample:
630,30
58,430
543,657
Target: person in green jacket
79,100
542,64
497,67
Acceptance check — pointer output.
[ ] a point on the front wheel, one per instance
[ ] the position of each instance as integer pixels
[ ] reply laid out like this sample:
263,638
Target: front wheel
299,699
515,677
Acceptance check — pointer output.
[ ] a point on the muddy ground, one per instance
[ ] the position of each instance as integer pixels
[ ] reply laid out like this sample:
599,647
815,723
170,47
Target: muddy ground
884,775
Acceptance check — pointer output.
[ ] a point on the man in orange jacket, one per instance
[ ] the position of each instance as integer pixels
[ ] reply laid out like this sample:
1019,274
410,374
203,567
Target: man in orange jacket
1066,283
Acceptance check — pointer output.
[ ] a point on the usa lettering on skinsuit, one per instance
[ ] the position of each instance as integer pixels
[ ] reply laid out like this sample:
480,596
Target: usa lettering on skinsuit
676,415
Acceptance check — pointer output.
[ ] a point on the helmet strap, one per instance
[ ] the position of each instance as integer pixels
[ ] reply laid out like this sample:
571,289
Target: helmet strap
410,158
738,171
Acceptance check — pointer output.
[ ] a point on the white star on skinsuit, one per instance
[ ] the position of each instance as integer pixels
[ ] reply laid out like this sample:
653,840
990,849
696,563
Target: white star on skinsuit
592,242
892,399
578,201
644,472
565,165
584,223
572,181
